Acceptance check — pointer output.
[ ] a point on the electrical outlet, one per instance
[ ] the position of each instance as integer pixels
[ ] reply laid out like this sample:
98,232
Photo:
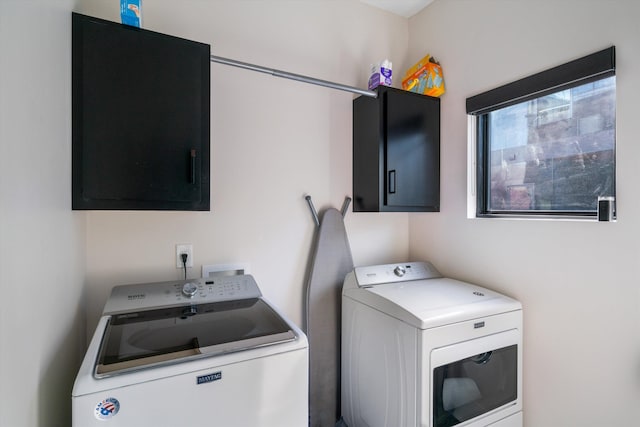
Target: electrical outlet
184,249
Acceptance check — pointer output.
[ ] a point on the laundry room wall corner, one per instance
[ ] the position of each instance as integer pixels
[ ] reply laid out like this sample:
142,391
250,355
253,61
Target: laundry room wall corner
272,141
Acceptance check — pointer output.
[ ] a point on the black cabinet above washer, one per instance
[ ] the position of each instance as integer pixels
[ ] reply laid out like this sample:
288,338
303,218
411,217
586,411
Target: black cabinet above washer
396,152
140,119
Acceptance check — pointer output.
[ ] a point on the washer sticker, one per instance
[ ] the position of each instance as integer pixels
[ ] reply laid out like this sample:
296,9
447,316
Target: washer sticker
107,409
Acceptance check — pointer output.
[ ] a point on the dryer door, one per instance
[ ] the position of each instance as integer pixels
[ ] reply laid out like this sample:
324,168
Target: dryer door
475,378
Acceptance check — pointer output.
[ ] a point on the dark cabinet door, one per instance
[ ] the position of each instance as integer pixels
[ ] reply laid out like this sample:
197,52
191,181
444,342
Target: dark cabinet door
138,139
412,148
396,152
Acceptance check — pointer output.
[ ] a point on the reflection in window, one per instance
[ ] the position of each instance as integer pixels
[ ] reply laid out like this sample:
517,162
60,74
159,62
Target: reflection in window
552,108
554,153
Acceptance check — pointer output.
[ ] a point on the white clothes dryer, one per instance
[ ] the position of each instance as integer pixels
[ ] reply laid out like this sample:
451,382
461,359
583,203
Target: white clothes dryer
193,353
422,350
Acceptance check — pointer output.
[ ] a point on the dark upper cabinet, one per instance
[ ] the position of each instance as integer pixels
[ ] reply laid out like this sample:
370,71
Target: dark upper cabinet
396,152
140,118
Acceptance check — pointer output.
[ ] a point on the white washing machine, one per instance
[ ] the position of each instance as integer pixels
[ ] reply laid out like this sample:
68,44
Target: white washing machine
422,350
207,352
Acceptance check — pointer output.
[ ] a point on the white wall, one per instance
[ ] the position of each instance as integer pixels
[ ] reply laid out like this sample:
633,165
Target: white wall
272,142
578,281
41,239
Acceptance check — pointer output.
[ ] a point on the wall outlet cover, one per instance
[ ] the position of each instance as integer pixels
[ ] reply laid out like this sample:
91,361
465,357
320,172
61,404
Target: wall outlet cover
185,248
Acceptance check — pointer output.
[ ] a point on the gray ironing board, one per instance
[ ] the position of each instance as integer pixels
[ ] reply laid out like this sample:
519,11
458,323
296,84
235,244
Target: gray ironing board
331,261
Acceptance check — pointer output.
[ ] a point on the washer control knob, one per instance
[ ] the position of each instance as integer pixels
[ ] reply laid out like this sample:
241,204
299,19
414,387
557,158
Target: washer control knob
399,271
189,289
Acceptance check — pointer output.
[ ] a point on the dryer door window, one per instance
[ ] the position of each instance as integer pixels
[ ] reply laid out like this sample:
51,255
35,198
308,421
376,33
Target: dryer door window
475,381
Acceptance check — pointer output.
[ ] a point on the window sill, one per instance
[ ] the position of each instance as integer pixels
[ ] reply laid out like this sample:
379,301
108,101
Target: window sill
564,218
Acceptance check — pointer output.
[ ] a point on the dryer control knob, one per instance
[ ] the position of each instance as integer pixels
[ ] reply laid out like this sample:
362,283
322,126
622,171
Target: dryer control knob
189,289
399,271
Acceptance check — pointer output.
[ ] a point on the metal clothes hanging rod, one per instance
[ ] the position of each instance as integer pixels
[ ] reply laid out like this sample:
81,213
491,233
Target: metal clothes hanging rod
292,76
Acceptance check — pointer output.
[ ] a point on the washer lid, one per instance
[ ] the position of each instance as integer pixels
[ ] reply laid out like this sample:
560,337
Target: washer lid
433,302
141,339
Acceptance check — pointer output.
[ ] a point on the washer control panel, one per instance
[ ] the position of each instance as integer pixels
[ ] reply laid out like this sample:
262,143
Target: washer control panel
392,273
197,291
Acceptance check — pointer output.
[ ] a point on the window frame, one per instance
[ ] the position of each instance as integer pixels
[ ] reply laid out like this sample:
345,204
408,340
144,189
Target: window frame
591,68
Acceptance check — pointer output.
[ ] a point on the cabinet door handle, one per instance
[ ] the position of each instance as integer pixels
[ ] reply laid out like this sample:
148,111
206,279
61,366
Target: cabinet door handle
192,167
392,181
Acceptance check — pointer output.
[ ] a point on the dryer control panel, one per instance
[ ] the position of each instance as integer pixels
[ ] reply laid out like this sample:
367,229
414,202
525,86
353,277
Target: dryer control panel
393,273
183,292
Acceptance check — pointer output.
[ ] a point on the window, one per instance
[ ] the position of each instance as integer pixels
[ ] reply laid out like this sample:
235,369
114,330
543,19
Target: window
545,145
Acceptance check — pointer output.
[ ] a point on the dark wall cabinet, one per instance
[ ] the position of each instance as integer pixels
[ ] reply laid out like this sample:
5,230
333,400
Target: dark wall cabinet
140,119
396,152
